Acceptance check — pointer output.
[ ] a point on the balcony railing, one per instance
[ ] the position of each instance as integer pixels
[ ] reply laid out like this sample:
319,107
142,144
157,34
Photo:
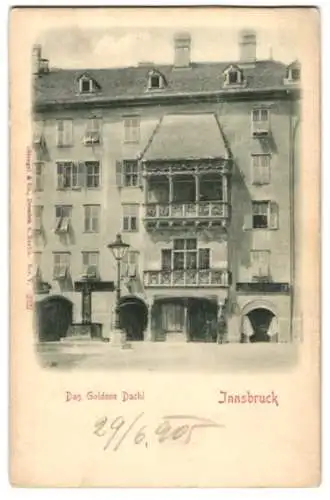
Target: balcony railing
203,209
187,278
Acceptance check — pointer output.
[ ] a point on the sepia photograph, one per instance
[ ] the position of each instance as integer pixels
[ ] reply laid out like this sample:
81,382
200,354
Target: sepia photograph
165,198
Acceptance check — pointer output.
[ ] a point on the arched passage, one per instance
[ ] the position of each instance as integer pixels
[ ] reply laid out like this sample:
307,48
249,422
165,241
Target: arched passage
259,322
133,317
53,318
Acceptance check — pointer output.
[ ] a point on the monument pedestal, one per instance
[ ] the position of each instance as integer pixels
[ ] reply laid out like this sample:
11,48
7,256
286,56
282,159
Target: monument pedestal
118,339
84,331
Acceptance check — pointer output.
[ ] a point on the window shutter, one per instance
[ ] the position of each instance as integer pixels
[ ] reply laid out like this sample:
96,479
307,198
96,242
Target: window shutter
60,181
59,132
119,173
81,173
273,215
247,222
68,132
140,174
204,258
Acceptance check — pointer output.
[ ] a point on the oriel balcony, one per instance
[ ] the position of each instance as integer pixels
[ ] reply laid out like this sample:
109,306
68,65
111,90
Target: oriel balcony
185,199
203,210
187,278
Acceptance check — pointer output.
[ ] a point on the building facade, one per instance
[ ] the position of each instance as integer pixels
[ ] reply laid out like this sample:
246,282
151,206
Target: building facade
195,165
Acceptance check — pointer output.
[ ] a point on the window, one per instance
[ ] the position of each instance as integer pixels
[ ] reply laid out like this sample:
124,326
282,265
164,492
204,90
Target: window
86,85
166,259
93,131
155,82
90,261
130,217
92,174
265,215
67,175
295,74
38,133
130,173
37,218
260,122
185,255
38,176
63,217
260,115
260,263
204,258
92,218
64,133
72,175
130,263
132,129
260,214
233,76
61,267
261,169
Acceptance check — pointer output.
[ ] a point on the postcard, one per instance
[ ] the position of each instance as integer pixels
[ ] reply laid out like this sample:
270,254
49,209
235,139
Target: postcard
165,233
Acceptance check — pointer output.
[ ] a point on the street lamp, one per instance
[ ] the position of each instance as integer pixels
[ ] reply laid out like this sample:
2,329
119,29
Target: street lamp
118,249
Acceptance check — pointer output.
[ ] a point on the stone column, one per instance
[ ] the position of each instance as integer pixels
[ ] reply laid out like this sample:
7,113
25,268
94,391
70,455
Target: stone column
197,189
148,334
225,188
170,195
234,328
86,304
185,318
145,188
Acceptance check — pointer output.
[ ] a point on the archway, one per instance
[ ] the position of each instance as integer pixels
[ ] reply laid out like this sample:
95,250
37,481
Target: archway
260,320
53,318
202,320
133,317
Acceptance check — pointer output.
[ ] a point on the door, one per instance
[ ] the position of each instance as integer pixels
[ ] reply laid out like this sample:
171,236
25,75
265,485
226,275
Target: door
54,316
172,317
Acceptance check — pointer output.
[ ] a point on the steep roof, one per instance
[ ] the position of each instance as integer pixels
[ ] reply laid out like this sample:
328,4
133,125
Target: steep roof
60,85
186,136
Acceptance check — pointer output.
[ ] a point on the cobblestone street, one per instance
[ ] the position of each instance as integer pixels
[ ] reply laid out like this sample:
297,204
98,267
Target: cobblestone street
163,356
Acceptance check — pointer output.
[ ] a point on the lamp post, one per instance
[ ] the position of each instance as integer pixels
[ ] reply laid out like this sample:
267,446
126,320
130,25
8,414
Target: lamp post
118,249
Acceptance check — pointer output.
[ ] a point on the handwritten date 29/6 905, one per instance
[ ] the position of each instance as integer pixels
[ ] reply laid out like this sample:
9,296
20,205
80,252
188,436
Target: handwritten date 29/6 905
172,428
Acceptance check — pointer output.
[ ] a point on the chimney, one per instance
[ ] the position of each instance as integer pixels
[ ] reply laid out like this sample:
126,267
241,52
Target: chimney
248,46
36,59
182,45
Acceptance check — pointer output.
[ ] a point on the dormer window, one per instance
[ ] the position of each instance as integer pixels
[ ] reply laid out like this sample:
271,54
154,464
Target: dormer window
293,73
87,84
155,81
233,76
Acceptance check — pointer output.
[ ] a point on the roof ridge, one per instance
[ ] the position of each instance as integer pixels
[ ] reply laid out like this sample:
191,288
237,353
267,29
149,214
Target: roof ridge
166,65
